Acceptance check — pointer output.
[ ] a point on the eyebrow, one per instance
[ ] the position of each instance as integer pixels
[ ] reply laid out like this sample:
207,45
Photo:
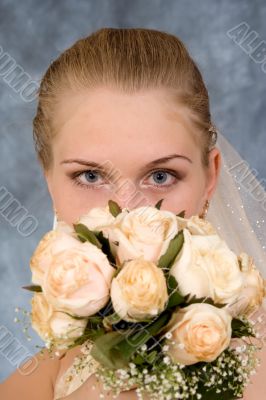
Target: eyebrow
151,164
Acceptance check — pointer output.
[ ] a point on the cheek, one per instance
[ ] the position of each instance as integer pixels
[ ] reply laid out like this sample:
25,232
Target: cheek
188,195
195,192
72,201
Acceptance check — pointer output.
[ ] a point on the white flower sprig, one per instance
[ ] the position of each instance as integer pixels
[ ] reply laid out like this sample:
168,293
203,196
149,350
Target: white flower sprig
166,380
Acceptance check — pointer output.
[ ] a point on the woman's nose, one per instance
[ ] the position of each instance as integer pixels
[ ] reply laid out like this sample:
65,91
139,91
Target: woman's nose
127,195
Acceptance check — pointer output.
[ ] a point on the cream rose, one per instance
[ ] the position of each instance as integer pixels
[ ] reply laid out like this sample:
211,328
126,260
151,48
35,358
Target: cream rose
206,267
78,279
144,231
196,225
200,332
139,291
52,243
97,218
253,289
54,325
62,226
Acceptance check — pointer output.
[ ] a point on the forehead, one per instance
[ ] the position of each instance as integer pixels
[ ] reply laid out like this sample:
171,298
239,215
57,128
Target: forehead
104,119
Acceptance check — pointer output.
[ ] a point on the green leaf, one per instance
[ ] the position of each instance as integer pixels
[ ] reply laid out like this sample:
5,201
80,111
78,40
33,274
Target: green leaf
102,350
181,214
86,235
33,288
175,299
144,359
151,357
174,248
158,204
118,269
106,248
240,328
114,208
89,334
127,347
210,394
208,300
138,359
111,320
171,283
95,320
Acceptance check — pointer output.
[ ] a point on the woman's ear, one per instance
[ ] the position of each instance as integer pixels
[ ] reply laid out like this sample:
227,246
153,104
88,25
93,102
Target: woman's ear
213,171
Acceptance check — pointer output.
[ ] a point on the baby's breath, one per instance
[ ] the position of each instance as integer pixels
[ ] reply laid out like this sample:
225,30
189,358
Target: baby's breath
165,380
24,319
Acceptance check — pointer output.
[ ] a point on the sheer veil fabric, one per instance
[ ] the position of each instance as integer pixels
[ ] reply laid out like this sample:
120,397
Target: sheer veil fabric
237,211
238,207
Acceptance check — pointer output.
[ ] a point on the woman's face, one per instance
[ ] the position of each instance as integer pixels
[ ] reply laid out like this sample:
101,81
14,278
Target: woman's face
132,148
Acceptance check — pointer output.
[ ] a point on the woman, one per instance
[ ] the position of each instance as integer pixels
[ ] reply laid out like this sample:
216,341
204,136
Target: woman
124,115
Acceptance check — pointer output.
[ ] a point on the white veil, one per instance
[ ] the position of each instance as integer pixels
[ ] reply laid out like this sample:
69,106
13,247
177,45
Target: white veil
237,209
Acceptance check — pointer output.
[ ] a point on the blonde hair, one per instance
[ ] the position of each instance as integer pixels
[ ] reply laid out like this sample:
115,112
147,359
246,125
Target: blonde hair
129,59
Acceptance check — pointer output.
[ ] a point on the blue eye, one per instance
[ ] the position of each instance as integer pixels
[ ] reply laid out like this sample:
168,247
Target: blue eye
160,176
90,179
163,178
90,176
94,179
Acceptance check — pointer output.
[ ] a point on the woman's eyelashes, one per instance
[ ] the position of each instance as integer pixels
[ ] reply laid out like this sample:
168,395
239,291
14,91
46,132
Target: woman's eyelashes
161,179
94,179
87,179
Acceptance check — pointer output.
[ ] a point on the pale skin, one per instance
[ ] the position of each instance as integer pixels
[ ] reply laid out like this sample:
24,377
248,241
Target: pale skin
129,131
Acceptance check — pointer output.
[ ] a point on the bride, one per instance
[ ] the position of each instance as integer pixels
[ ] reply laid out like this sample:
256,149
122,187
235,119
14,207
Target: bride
124,115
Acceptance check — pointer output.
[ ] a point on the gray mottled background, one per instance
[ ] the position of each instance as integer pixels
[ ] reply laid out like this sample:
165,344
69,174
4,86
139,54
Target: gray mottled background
35,32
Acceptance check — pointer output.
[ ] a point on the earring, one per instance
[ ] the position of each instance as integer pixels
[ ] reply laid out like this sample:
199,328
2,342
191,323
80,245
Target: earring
56,214
205,209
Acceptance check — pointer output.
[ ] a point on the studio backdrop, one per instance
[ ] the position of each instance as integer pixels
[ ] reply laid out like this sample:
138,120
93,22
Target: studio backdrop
226,38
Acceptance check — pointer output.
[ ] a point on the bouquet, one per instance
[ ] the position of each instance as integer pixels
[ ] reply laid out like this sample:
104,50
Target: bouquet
161,299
